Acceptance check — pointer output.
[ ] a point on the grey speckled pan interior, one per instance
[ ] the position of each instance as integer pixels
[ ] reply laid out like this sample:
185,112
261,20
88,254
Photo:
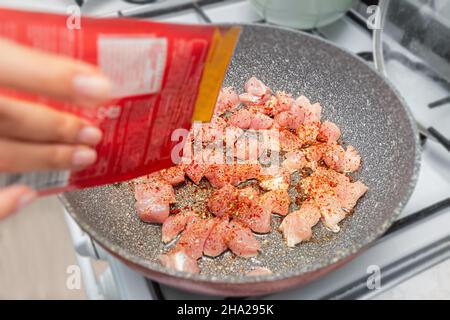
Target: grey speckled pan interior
372,118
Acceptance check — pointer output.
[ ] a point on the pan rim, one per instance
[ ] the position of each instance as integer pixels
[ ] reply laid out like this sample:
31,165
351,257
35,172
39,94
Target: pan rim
321,263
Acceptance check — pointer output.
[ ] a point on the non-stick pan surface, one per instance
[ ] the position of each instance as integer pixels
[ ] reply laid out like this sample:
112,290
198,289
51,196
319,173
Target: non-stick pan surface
372,118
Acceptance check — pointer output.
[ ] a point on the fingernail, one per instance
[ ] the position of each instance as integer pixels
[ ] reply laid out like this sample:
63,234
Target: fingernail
26,199
83,157
90,135
92,86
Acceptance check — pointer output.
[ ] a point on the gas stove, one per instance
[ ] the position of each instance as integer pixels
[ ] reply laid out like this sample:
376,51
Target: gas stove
418,240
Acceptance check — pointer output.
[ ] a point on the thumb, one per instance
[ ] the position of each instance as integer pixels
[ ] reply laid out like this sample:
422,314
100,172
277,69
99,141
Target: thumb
14,198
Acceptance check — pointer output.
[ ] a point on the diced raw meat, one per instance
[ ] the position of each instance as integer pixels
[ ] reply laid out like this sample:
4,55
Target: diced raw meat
176,223
173,175
259,271
329,132
276,201
331,211
216,244
289,141
154,188
291,132
267,108
312,113
228,100
192,240
260,121
195,171
241,241
219,175
349,193
292,118
223,201
334,194
256,87
153,197
205,134
249,99
244,171
283,119
152,212
296,226
342,160
284,102
241,119
269,144
251,213
248,194
179,261
307,133
352,160
303,102
232,134
274,178
247,148
294,161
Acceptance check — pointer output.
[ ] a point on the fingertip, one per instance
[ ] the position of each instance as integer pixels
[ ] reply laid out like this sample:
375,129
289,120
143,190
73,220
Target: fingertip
27,197
83,157
91,88
15,198
89,135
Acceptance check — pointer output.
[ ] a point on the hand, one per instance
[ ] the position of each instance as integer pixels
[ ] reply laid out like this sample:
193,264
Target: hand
34,136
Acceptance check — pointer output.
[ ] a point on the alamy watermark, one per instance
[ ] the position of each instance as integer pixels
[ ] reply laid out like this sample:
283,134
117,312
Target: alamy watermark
73,280
374,280
374,17
73,21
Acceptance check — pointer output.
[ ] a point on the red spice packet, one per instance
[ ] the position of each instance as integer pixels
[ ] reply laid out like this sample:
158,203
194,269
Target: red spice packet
165,76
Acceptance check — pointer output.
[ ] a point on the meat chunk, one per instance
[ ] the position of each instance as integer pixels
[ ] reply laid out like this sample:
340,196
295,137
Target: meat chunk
175,224
331,211
274,178
241,241
227,101
284,102
329,132
342,160
289,141
296,226
241,119
153,196
349,193
195,171
152,211
260,121
173,175
312,113
276,201
179,261
294,161
221,174
223,201
250,212
216,244
248,148
307,133
334,194
256,92
192,240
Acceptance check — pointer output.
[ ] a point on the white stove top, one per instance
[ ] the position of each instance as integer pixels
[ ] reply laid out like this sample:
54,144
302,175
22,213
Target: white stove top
420,241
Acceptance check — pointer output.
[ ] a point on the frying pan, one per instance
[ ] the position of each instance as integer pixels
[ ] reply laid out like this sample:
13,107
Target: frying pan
372,118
